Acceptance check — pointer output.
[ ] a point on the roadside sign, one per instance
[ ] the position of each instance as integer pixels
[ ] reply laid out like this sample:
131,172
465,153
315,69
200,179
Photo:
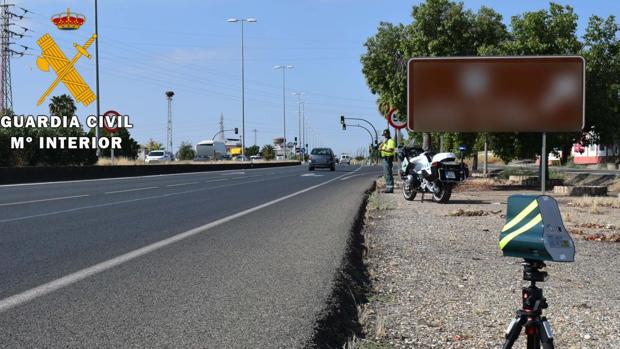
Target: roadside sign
496,94
110,113
393,119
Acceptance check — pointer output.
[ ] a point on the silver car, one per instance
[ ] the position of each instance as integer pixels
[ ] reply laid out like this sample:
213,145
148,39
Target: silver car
322,158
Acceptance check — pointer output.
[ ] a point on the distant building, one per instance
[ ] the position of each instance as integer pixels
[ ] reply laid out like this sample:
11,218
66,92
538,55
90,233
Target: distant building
233,146
141,153
278,145
595,153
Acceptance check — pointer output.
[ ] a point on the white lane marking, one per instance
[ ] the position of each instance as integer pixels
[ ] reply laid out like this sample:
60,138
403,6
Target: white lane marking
43,200
181,184
232,173
132,200
216,180
137,177
359,174
311,175
129,190
49,287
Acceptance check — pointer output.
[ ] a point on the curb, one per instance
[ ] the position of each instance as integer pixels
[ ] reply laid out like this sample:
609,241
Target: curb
339,320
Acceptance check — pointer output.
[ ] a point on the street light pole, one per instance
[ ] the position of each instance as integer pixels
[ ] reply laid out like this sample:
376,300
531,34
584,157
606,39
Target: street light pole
242,20
299,96
284,67
169,95
97,77
303,124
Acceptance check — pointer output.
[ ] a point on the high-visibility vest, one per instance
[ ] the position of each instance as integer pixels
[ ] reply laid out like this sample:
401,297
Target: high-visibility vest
387,148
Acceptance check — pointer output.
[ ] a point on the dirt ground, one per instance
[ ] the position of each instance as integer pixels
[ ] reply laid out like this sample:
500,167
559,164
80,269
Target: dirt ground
439,280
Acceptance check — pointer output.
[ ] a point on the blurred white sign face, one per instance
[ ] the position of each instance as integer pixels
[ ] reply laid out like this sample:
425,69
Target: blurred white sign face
496,94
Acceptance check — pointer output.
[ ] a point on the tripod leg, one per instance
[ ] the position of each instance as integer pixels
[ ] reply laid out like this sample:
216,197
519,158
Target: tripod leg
512,332
546,335
533,339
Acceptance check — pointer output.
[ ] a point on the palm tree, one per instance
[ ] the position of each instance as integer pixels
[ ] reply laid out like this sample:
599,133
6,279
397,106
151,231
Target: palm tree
268,152
62,105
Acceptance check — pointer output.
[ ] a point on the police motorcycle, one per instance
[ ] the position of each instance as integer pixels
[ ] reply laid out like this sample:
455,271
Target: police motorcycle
425,172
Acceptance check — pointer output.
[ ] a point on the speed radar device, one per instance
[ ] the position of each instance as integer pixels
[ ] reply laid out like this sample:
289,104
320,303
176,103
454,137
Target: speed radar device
534,230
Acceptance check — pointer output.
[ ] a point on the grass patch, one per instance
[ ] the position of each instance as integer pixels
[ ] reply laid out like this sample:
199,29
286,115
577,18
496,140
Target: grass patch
615,186
555,174
515,171
491,158
356,343
467,213
379,299
595,203
379,203
119,161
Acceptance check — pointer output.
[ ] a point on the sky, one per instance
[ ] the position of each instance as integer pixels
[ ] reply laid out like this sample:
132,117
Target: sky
149,47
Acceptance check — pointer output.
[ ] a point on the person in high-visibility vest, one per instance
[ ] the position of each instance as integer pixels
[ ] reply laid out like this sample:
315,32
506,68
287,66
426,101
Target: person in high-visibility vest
386,151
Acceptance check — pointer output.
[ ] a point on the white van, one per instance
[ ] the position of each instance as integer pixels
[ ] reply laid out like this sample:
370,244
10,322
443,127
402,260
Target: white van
210,150
159,156
345,159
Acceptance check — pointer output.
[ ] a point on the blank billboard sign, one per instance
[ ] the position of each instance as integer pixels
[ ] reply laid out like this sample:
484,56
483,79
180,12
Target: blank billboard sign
496,94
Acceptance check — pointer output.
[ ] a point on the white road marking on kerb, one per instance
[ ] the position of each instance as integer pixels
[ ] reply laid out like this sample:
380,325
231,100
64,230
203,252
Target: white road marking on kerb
129,190
43,200
47,288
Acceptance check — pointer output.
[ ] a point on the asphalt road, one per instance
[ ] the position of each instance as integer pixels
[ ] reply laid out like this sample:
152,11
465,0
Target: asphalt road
231,259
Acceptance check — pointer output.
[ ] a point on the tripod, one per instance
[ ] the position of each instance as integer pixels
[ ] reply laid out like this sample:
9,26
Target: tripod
536,326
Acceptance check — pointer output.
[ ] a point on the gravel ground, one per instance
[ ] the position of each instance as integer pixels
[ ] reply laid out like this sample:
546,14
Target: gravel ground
439,279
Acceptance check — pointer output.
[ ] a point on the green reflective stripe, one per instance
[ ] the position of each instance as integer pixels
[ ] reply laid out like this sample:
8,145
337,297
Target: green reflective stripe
520,231
518,218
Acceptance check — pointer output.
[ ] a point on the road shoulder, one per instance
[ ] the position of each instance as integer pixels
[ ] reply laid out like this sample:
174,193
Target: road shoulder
438,279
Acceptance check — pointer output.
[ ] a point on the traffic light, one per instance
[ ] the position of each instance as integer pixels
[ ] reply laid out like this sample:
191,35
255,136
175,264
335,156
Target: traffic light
342,119
236,130
295,140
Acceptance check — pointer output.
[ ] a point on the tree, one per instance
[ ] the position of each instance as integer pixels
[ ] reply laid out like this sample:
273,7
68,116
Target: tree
602,54
542,32
439,28
186,152
152,145
268,152
253,150
62,105
129,146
